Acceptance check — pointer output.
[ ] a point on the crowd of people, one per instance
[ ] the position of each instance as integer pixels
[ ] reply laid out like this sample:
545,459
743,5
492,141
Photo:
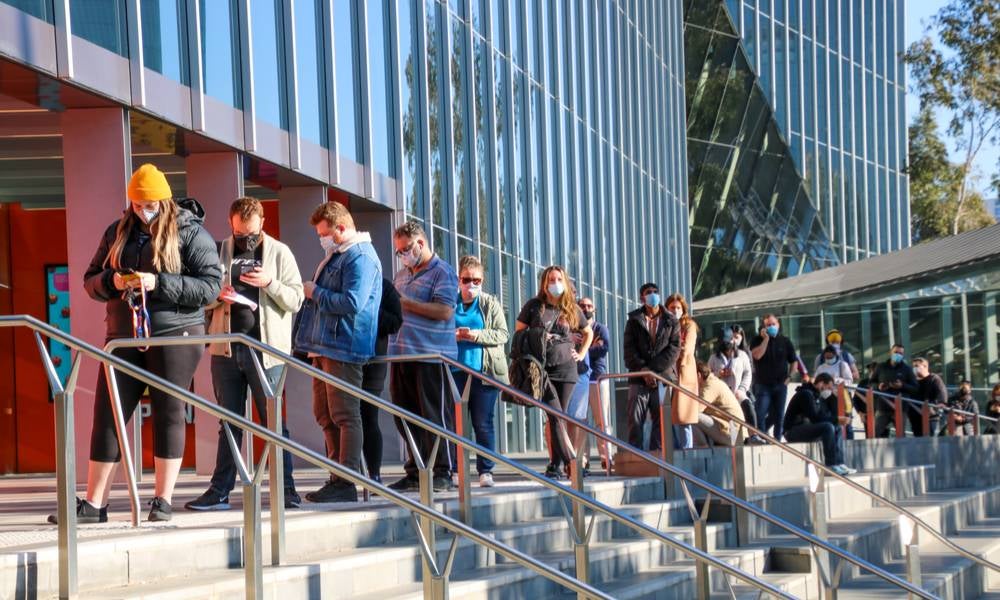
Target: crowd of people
159,272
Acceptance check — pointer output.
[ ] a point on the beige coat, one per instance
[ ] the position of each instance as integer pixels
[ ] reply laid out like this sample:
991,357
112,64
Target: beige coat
723,401
278,302
686,409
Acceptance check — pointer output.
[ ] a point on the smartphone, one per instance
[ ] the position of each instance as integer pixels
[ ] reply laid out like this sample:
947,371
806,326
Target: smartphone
249,267
128,276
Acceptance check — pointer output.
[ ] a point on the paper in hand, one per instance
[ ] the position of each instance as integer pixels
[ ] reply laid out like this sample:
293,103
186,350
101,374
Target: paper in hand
241,299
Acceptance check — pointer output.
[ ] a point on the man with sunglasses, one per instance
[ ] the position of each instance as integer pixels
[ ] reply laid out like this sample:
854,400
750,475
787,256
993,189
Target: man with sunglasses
427,288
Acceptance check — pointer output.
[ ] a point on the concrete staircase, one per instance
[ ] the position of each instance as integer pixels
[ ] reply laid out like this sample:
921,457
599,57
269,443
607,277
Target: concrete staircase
369,551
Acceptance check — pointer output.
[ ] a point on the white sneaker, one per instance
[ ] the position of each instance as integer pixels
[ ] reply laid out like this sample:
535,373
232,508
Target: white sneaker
840,470
486,480
849,470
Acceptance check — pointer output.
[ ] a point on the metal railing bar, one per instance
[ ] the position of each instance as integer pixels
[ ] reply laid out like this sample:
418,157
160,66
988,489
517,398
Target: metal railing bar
50,368
920,403
314,458
441,432
241,467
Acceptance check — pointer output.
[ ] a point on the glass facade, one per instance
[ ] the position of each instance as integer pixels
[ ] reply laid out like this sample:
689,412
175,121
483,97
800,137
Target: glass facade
834,74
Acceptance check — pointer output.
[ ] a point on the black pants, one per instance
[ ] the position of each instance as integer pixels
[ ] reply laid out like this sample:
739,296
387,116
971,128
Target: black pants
827,433
420,389
177,365
643,401
560,453
373,382
231,375
884,419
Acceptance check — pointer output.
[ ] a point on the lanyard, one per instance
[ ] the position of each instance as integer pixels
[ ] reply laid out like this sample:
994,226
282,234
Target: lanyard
140,316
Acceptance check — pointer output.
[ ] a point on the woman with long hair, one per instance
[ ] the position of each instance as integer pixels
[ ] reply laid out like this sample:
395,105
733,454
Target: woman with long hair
554,310
155,269
686,409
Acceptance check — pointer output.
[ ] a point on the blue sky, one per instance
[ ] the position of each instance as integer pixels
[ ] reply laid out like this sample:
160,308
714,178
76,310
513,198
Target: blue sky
918,15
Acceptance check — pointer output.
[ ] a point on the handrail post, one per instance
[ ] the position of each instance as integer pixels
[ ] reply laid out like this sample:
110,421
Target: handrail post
137,442
425,476
740,517
925,419
252,554
581,539
247,436
870,414
818,510
909,536
123,446
951,423
66,494
976,423
463,423
842,408
900,424
276,482
666,436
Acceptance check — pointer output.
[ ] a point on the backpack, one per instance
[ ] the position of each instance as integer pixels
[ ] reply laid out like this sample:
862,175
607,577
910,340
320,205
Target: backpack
527,365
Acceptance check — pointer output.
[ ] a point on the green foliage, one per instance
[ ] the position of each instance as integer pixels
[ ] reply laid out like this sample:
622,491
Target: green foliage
935,184
963,77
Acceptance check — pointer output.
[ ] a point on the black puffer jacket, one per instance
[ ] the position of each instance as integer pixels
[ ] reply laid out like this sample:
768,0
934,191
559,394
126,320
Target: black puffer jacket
642,353
179,298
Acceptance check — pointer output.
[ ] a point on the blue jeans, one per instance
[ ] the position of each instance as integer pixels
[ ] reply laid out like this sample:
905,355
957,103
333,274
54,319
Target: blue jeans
482,408
230,378
579,402
771,406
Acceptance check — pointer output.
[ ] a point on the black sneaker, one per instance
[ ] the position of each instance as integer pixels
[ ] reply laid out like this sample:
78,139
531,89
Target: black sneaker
406,484
552,472
85,513
292,499
160,510
334,491
210,500
442,484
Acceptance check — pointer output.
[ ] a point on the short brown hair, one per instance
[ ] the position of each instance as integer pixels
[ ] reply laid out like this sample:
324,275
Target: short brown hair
921,361
703,370
246,207
334,213
410,229
469,262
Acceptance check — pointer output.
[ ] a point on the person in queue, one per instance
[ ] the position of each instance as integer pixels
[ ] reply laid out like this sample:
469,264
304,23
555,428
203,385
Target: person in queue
685,409
893,376
155,269
774,362
731,363
390,319
714,424
834,338
835,364
812,416
964,407
554,309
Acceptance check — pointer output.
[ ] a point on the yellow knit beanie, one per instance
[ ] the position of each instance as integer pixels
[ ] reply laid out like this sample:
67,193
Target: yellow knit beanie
148,184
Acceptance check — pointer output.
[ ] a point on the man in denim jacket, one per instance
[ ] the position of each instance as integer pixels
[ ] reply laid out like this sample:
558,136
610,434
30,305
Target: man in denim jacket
337,328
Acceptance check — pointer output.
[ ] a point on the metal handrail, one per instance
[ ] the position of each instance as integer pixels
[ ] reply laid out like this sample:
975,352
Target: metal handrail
912,401
580,498
67,515
819,466
665,466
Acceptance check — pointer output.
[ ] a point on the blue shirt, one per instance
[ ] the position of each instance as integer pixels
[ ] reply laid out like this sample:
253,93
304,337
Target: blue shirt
437,282
470,354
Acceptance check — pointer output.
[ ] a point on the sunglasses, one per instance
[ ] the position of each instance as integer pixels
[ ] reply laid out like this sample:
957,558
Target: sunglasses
586,306
407,250
472,280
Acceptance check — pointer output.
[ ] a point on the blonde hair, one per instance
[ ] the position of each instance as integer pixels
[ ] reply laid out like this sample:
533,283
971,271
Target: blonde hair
567,302
469,262
165,238
334,213
684,306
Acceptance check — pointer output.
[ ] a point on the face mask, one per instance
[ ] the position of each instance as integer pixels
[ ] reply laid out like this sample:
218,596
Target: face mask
825,394
327,243
831,361
148,215
836,346
471,289
247,243
652,300
556,289
588,314
411,259
772,330
897,358
679,312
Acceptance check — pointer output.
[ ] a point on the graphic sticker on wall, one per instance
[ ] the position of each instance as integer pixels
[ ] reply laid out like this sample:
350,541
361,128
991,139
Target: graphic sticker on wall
57,294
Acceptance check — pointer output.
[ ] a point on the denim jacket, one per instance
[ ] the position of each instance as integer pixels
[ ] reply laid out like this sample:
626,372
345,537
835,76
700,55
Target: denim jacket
340,321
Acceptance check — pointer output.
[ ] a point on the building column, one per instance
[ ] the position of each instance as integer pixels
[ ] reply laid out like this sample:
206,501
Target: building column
95,187
215,180
295,206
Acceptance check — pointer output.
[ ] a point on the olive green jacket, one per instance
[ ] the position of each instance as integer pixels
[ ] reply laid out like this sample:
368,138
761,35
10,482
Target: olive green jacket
492,337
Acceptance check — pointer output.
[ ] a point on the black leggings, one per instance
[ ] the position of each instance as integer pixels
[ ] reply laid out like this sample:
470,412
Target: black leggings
177,365
559,452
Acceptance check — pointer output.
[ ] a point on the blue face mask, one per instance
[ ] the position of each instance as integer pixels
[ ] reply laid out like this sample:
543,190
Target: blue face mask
772,330
897,358
652,300
831,361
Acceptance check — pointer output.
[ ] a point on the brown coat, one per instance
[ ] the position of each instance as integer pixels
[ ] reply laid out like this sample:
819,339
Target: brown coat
723,401
686,409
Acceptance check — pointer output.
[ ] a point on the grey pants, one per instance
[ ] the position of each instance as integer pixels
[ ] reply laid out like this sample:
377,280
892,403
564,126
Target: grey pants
339,414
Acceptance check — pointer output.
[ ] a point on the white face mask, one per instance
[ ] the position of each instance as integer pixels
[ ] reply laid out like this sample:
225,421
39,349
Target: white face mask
471,290
327,243
825,394
556,289
148,215
411,259
678,312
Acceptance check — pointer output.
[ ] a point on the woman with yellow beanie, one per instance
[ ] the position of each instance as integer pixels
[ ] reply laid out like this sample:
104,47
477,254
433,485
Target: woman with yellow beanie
155,269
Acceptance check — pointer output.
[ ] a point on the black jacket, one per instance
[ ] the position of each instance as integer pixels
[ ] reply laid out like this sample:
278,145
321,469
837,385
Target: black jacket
806,407
178,299
642,353
931,389
887,373
390,319
964,402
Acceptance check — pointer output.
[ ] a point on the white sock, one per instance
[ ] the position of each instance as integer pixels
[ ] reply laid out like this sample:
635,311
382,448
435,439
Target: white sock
94,506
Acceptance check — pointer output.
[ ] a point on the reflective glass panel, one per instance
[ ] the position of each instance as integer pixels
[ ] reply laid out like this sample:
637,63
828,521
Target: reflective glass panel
383,142
347,87
408,80
164,38
40,9
101,22
310,78
268,62
220,62
459,124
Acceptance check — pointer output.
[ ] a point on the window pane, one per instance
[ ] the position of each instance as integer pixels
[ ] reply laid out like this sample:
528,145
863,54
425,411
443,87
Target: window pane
411,130
101,22
220,51
504,177
381,91
459,122
347,87
41,9
268,62
483,184
164,38
436,126
308,62
499,33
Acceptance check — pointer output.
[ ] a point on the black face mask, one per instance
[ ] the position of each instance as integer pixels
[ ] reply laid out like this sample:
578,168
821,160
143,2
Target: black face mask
247,243
589,314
